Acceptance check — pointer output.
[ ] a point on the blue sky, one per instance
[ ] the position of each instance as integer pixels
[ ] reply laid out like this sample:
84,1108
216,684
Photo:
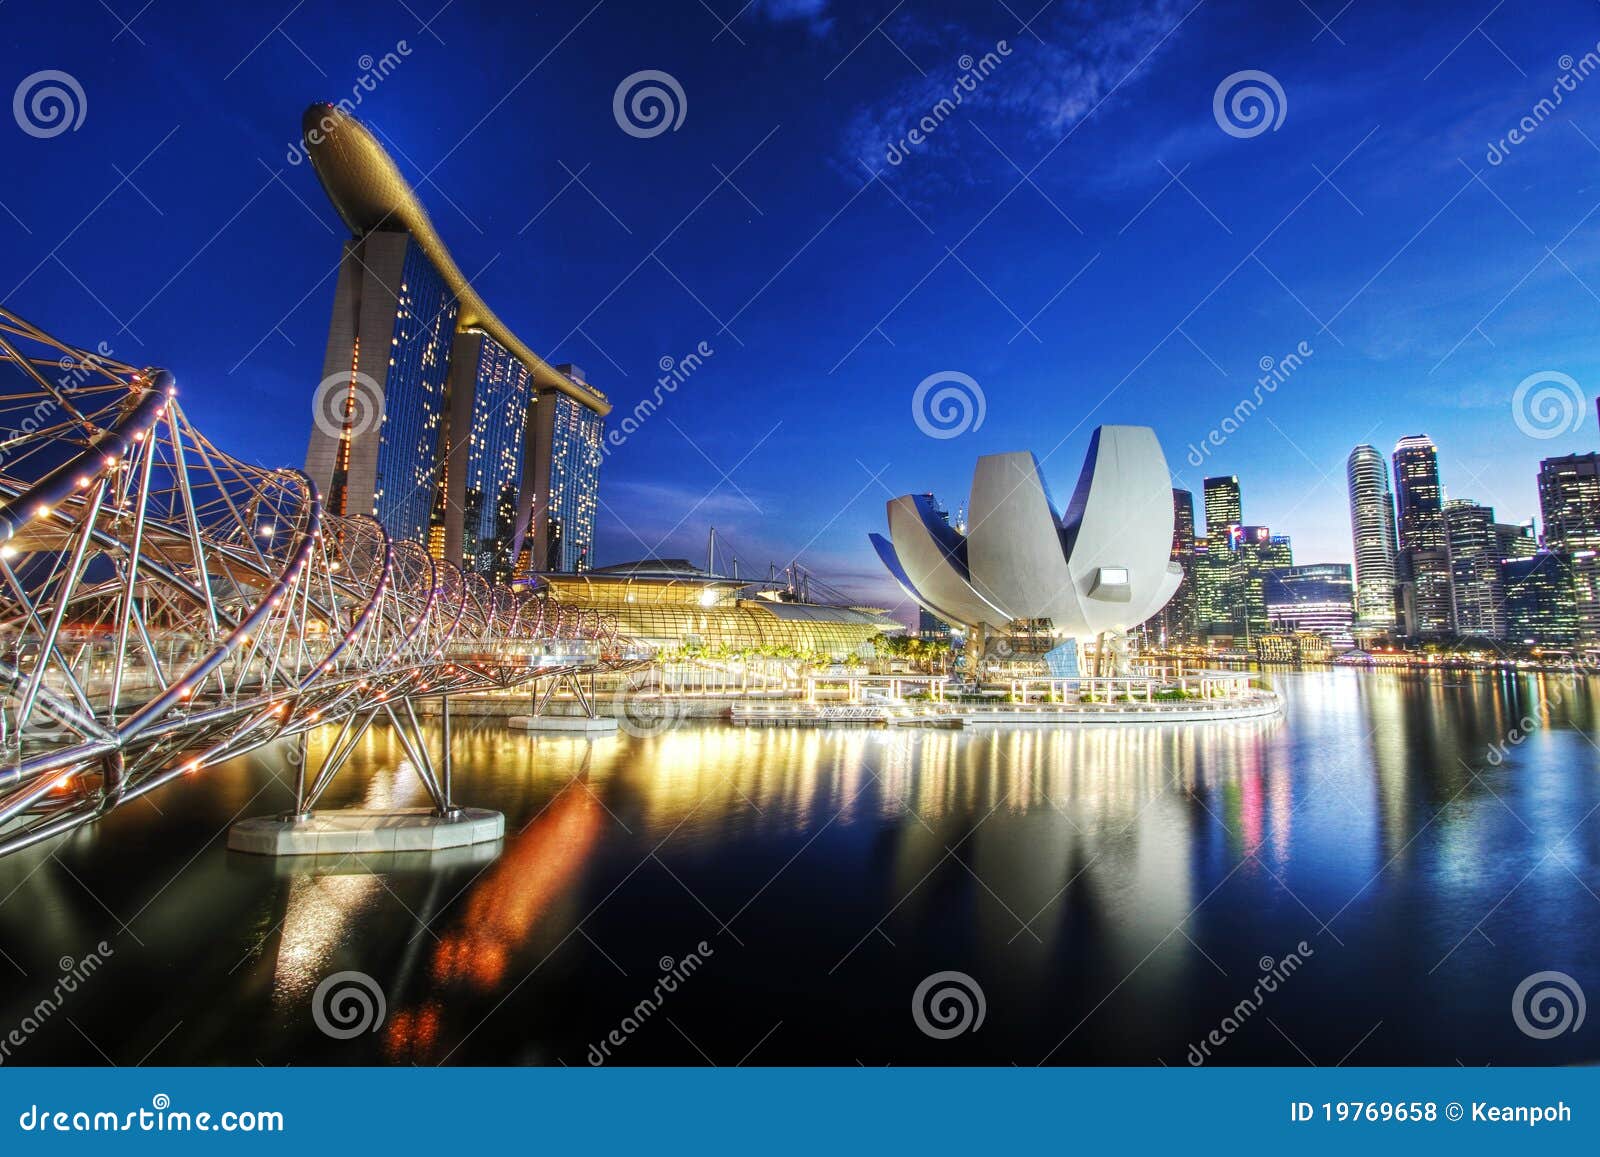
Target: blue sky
1080,237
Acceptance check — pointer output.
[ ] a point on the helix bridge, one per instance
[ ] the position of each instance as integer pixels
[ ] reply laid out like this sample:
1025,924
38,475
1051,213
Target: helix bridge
165,607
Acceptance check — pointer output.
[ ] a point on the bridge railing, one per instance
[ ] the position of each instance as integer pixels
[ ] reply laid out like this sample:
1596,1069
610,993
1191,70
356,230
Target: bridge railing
164,606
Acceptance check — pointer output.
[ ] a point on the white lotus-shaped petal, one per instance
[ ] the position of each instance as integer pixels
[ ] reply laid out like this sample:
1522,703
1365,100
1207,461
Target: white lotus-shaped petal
1103,565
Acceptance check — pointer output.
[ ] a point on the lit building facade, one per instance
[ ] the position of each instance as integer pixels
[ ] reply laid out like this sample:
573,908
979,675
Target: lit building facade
1475,570
1318,599
1515,539
490,393
1177,623
1372,534
1427,606
393,320
673,605
1541,608
1569,503
456,461
1224,504
566,451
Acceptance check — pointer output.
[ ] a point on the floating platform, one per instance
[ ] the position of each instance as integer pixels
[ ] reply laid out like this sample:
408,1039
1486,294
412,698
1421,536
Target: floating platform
580,724
365,832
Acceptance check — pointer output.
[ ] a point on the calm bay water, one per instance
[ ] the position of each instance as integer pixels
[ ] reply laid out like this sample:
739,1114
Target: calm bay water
1115,894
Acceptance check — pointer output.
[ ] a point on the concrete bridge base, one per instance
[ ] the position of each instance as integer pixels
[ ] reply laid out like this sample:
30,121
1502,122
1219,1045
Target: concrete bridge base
345,832
583,724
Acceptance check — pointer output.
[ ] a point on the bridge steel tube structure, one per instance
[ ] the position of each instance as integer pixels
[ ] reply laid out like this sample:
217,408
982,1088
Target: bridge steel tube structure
165,607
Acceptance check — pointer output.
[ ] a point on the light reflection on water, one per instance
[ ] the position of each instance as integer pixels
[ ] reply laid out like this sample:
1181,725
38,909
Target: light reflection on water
1111,889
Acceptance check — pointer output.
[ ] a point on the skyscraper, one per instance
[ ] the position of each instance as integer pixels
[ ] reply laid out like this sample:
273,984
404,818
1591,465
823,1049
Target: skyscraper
1569,502
1255,553
1424,557
1224,505
565,449
1178,626
1475,570
376,447
486,490
1372,531
1515,539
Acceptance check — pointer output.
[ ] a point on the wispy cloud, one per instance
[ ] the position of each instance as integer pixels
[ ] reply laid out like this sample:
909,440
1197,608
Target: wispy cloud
1037,92
812,13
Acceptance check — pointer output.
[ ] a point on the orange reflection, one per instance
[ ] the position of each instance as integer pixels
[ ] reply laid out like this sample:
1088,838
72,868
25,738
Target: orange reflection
506,903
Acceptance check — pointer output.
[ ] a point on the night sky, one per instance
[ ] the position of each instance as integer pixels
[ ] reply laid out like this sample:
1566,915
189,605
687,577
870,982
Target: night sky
1080,236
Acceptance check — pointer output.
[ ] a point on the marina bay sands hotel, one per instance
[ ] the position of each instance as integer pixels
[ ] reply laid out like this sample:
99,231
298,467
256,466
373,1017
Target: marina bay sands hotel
433,416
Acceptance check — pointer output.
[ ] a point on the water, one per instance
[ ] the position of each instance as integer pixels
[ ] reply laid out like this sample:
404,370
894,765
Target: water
1112,892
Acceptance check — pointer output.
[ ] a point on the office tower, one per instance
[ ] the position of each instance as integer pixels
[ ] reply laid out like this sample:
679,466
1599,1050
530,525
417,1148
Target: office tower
1540,606
1224,505
565,449
1216,601
1318,597
1255,554
1423,562
1372,532
1569,503
1475,570
1178,618
490,393
1515,539
393,317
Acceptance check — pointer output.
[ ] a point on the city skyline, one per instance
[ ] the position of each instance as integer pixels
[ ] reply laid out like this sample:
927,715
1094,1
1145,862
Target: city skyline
1344,216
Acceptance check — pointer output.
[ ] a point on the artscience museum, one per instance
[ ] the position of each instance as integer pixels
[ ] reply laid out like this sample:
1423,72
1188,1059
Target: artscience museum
1097,568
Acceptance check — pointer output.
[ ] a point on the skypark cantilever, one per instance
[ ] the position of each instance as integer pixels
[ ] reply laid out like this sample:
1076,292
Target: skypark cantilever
370,193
